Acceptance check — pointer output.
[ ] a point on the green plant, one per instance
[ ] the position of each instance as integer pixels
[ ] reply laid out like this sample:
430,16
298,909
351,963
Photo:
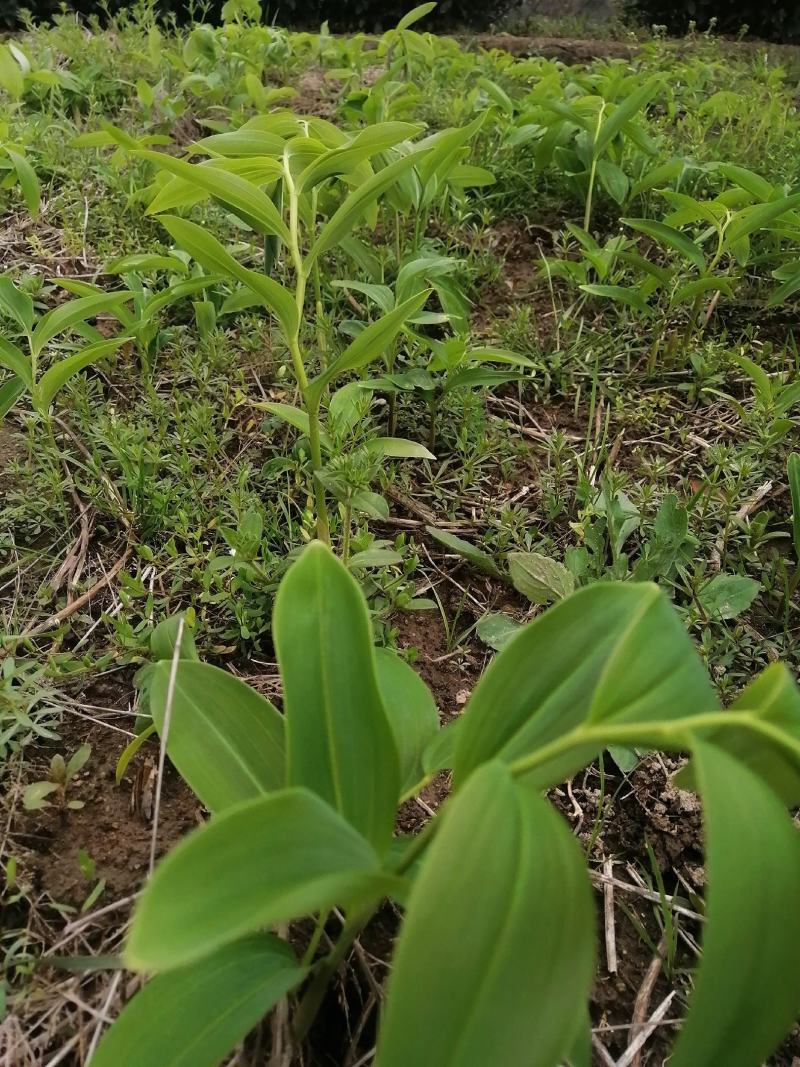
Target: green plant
39,332
62,773
495,965
296,160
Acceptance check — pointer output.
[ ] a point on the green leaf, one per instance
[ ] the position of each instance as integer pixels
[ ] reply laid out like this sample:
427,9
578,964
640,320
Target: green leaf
497,629
266,861
367,143
668,235
414,15
196,1015
338,739
785,291
623,113
738,1014
612,653
754,218
793,470
398,447
696,288
11,77
294,417
10,392
541,579
371,343
774,698
130,751
505,882
665,172
351,210
16,303
33,799
208,251
144,262
412,713
28,182
620,293
72,313
13,359
747,180
727,595
613,179
373,505
60,373
226,740
475,556
164,639
243,197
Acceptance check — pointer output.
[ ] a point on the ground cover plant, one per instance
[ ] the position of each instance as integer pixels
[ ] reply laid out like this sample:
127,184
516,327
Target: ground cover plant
399,548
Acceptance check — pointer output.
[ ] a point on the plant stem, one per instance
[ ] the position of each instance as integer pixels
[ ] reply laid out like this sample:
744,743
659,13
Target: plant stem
311,405
675,735
347,520
325,970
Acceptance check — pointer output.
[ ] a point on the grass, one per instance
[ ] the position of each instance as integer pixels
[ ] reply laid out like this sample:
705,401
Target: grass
164,460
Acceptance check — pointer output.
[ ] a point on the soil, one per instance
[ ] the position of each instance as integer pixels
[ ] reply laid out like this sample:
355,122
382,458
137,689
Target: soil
115,832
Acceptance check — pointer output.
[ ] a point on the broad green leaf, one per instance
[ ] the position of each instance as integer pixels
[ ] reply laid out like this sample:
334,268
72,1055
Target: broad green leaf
750,219
467,176
747,180
196,1015
294,417
619,293
164,639
793,470
66,316
241,196
398,447
738,1014
480,378
785,291
446,147
243,142
208,251
668,235
263,862
338,739
11,77
475,556
412,713
774,698
539,578
60,373
414,15
347,216
371,343
16,303
497,629
613,179
225,739
505,882
665,172
373,505
147,263
182,192
382,295
727,595
367,143
615,653
13,359
28,182
691,290
623,113
10,392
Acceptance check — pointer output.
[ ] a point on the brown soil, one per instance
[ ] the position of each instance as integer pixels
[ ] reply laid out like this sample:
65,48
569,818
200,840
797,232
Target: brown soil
114,835
566,49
